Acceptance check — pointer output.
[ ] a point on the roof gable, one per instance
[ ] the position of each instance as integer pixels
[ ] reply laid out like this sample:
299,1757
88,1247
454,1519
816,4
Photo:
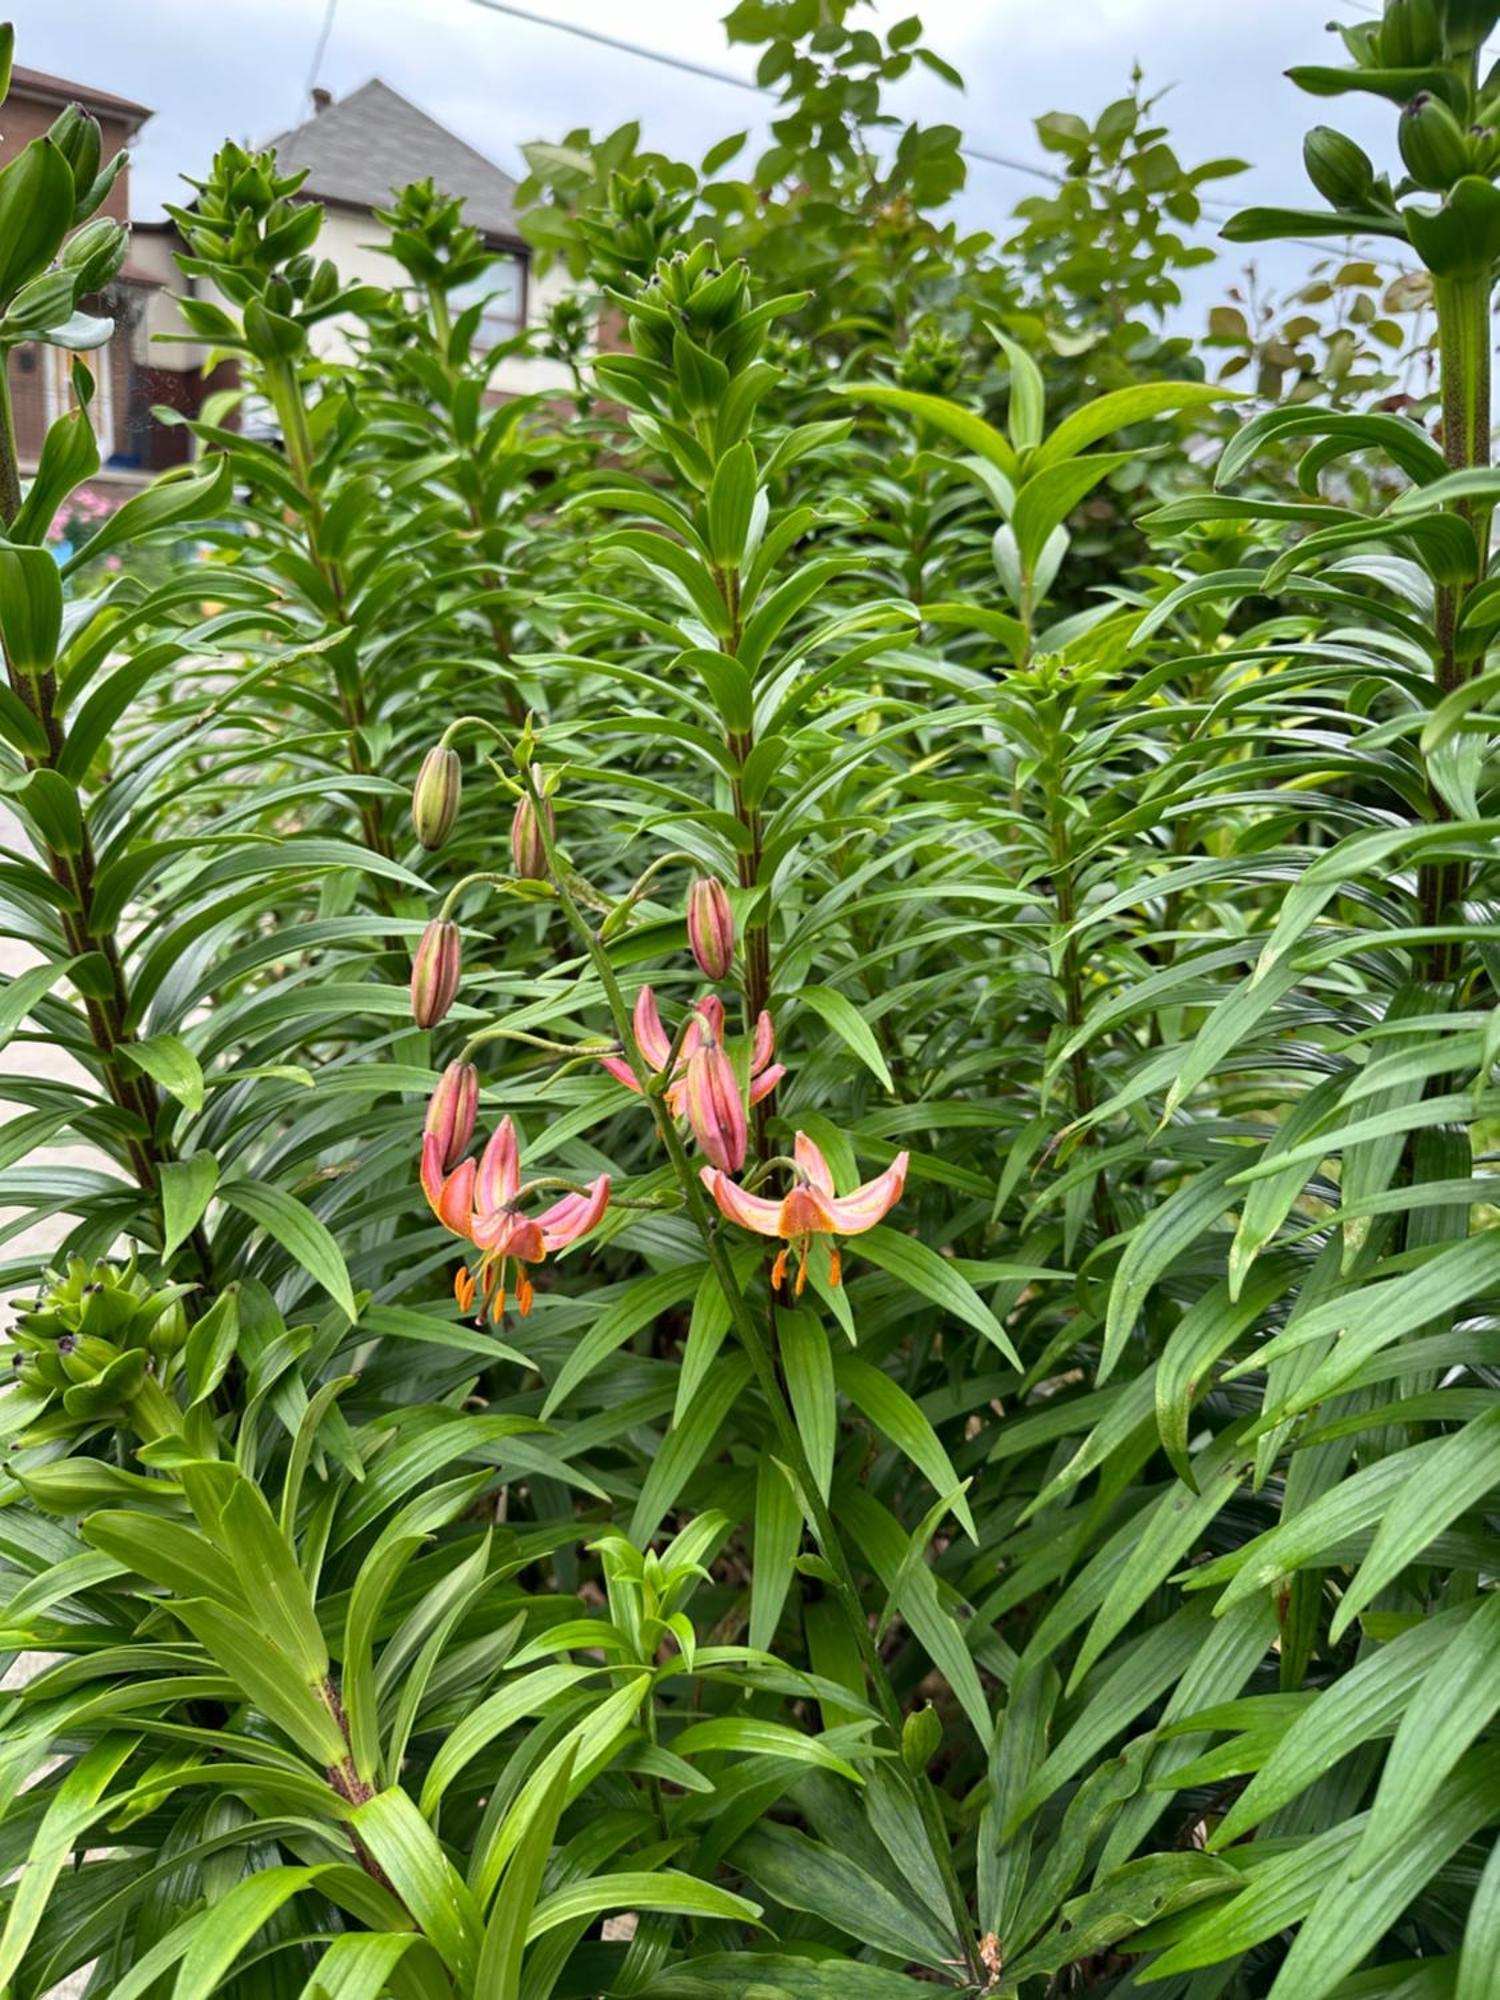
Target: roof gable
361,148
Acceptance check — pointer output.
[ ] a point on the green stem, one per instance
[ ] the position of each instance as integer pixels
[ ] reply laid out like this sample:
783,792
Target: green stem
285,391
10,461
1464,336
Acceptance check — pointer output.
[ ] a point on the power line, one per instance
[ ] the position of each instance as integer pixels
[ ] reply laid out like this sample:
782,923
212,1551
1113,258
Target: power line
322,46
1216,210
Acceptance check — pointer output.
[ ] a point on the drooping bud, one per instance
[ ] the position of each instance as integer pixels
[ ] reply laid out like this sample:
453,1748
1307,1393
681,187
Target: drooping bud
436,796
710,924
435,968
451,1111
528,853
715,1108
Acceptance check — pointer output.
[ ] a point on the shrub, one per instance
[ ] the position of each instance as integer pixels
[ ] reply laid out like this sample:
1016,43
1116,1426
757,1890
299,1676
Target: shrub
787,1280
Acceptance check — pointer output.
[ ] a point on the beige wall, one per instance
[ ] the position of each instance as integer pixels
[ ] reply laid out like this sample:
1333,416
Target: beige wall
352,238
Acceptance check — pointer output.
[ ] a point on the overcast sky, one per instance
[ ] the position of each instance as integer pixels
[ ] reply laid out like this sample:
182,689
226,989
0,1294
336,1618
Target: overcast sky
241,68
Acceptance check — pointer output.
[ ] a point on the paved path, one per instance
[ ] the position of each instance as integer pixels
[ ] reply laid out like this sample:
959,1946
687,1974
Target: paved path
31,1059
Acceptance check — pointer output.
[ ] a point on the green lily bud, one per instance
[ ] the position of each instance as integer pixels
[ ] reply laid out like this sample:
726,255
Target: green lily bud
921,1738
436,967
76,136
1433,143
1411,35
1341,171
1468,24
95,254
436,796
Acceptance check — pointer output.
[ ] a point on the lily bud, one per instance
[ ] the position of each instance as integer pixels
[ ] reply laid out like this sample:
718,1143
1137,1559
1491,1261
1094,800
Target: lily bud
1340,170
1433,143
435,968
436,796
710,925
715,1108
527,853
451,1111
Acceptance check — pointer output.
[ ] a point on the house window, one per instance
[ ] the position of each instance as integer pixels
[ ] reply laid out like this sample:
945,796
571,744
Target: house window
503,287
50,389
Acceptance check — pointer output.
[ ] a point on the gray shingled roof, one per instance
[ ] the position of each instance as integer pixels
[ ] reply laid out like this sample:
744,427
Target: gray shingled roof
360,148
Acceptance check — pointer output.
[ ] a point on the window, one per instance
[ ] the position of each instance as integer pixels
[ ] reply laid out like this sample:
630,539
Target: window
503,286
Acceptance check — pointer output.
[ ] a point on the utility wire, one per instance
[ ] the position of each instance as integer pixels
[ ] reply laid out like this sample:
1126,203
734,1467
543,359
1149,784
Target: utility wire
322,46
1218,210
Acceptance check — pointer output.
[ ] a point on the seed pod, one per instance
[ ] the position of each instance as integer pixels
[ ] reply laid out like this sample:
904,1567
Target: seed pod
451,1111
436,796
528,854
435,969
1432,143
1342,172
710,925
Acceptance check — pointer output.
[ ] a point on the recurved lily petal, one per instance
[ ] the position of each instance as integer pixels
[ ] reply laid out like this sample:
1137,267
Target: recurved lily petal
650,1036
621,1071
854,1213
574,1216
811,1163
451,1196
750,1211
764,1045
762,1085
499,1170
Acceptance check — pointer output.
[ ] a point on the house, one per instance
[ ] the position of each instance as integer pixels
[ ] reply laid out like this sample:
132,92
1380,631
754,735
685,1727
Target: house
356,151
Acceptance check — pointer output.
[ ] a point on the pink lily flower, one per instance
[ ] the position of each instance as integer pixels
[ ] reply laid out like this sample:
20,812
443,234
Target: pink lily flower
477,1201
810,1208
703,1088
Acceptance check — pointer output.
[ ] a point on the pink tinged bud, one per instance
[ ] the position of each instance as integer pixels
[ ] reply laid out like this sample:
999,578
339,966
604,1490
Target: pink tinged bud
436,796
435,968
715,1109
527,853
710,924
451,1111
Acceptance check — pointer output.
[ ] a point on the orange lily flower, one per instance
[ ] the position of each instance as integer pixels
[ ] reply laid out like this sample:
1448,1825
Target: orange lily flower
704,1088
810,1209
477,1201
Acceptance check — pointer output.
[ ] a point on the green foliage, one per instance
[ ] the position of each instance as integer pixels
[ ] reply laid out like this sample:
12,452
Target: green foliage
918,1408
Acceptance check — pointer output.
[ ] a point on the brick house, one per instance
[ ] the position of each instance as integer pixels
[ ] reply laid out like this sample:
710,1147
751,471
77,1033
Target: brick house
40,389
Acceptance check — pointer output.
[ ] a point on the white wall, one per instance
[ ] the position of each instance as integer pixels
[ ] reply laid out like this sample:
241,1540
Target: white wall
352,239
